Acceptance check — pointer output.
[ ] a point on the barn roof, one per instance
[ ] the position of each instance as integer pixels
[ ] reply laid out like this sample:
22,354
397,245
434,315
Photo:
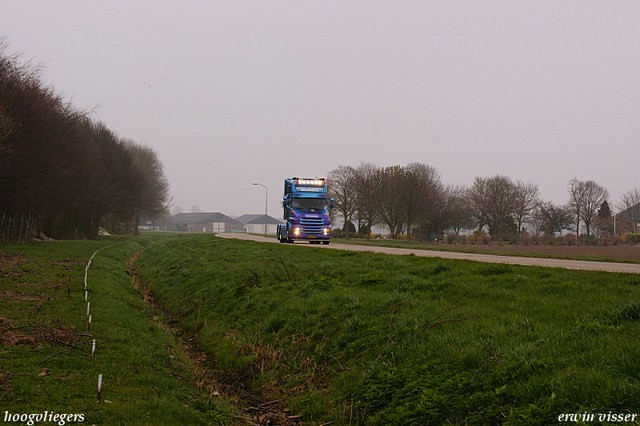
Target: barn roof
258,219
201,217
632,213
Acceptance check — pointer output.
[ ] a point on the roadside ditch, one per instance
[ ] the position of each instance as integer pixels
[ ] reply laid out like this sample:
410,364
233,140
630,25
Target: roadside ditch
252,406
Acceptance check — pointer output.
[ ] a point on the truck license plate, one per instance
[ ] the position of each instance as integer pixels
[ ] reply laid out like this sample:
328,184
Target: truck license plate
312,236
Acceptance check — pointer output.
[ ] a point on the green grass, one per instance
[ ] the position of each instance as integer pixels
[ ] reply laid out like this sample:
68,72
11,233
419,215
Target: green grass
46,362
469,249
345,337
365,338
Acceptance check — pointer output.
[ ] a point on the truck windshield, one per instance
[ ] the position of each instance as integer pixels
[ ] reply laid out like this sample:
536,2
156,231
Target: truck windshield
309,203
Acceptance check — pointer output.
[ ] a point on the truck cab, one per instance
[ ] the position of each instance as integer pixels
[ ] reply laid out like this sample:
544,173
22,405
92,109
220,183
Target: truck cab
306,211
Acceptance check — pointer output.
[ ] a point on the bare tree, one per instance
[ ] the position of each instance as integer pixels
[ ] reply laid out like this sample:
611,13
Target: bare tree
368,183
595,195
576,202
341,184
116,181
391,213
525,202
154,197
451,210
6,126
552,219
39,160
494,202
586,197
419,185
476,197
60,172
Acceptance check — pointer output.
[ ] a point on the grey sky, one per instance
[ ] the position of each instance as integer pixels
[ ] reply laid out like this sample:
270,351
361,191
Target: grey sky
234,92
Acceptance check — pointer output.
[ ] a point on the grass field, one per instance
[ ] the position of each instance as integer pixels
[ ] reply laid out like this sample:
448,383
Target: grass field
46,363
622,253
344,337
368,338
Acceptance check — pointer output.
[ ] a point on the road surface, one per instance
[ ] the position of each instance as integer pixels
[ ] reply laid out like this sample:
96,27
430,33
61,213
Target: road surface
632,268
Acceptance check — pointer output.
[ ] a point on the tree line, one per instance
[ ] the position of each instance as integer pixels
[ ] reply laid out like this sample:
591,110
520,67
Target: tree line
413,200
62,174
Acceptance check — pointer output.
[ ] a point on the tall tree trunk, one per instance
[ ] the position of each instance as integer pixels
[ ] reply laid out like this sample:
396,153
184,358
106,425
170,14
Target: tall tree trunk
578,226
136,229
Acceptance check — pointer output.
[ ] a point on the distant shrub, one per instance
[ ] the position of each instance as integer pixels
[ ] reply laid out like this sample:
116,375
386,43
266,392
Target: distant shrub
632,238
509,238
525,238
337,233
615,239
610,239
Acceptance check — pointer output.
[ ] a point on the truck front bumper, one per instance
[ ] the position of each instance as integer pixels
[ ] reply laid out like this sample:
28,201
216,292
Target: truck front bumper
296,233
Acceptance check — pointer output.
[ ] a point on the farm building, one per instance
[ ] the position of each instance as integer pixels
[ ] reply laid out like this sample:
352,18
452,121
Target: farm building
205,222
632,214
146,224
259,223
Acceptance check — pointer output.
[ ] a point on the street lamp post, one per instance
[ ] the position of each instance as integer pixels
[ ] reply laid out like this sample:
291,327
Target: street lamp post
266,203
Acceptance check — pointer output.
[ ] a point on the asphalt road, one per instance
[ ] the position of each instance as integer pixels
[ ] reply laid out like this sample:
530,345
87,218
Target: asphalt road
632,268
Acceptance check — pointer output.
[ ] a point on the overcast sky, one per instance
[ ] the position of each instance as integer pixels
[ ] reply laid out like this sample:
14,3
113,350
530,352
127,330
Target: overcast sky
234,92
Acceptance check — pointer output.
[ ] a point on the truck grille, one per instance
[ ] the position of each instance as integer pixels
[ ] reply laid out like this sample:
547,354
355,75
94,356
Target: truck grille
311,225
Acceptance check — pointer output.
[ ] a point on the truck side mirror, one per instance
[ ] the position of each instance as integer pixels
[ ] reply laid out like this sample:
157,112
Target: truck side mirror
331,203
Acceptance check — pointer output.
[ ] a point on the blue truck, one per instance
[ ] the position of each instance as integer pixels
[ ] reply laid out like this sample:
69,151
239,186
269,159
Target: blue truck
306,211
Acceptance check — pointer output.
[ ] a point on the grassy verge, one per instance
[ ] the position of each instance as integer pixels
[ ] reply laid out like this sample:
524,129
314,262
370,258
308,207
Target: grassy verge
430,246
364,338
46,343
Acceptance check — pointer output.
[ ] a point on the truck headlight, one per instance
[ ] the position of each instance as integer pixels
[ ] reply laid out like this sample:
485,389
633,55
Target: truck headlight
296,231
325,231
